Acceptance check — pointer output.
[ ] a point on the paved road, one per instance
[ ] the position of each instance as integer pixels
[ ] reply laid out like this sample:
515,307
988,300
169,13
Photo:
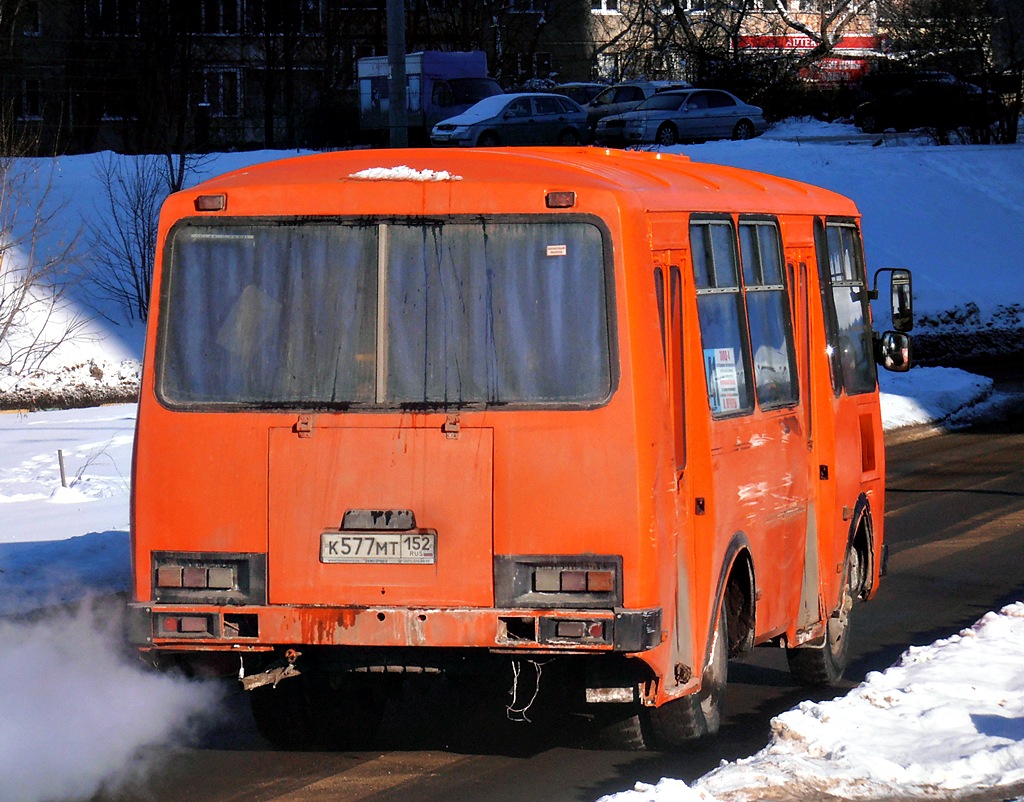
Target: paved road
955,522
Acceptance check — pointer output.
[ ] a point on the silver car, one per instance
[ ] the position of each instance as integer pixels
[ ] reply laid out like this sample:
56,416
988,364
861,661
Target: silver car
523,118
624,97
683,116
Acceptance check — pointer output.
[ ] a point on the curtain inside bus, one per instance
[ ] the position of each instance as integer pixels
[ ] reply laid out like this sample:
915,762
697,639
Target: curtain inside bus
286,314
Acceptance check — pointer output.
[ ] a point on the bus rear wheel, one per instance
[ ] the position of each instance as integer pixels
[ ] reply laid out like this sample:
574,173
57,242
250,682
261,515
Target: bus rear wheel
304,713
820,665
676,723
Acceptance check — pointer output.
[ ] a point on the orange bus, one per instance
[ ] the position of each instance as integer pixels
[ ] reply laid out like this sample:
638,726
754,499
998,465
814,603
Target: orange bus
411,412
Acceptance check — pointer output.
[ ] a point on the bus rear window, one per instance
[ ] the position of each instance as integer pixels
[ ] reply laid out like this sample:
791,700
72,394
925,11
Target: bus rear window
435,314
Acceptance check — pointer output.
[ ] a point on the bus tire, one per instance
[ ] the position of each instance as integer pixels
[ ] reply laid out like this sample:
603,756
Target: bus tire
281,714
621,729
821,665
698,715
301,714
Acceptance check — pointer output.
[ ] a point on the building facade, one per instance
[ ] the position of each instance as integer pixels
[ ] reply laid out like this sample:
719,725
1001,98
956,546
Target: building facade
159,75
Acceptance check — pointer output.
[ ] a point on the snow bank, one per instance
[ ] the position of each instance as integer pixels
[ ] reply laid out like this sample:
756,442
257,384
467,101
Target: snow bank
945,718
926,395
67,384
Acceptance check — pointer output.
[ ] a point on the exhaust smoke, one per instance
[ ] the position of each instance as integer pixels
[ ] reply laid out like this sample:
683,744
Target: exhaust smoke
77,708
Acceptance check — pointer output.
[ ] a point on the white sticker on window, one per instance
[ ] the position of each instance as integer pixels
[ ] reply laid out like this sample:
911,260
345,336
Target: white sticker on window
557,250
723,380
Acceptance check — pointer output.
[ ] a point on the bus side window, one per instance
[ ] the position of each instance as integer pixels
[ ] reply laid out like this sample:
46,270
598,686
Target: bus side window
771,328
844,295
720,314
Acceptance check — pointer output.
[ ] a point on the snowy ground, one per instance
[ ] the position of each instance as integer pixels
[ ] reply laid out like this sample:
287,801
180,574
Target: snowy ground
930,727
936,726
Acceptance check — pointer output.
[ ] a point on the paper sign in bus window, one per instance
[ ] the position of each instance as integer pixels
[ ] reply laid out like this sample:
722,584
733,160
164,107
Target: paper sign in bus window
723,379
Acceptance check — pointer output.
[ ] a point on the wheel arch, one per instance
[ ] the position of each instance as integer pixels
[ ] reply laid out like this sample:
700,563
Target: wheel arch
666,125
744,121
735,594
570,130
488,132
861,541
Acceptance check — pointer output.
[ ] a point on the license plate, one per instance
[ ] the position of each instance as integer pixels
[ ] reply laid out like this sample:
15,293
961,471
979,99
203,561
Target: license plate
413,548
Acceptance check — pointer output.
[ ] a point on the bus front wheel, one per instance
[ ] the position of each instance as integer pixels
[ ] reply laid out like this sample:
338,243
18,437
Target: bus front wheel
820,665
700,714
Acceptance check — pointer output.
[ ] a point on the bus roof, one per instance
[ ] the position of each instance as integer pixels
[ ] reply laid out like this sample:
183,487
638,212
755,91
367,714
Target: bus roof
659,182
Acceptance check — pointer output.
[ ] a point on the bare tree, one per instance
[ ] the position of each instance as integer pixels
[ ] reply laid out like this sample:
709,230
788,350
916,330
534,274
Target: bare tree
978,41
824,23
123,243
36,256
701,41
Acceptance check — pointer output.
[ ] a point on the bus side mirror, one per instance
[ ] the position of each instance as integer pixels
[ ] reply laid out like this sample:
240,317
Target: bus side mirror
901,297
892,351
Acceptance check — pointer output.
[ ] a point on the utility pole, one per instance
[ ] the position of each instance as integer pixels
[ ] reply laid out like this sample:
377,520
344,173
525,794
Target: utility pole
398,115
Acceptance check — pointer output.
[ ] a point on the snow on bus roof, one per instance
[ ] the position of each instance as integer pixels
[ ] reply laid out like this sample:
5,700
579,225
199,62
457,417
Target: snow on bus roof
404,173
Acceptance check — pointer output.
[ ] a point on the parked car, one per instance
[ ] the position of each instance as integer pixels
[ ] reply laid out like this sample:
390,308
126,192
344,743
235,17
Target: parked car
944,104
683,115
580,91
523,118
625,97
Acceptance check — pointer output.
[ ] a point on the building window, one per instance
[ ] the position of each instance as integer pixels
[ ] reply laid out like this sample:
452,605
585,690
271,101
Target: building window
220,16
218,91
604,6
112,17
283,16
31,23
30,105
206,16
118,101
609,66
527,6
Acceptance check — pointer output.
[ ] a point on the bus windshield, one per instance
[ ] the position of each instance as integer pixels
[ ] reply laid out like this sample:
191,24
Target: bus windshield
279,313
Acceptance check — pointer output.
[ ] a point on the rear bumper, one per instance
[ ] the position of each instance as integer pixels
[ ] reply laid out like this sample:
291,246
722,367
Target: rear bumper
201,628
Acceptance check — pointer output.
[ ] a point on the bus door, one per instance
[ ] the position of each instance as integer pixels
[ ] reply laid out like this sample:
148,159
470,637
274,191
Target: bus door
853,465
759,441
668,282
799,261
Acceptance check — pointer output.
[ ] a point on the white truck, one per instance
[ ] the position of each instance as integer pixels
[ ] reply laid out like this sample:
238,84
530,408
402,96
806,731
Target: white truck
438,85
